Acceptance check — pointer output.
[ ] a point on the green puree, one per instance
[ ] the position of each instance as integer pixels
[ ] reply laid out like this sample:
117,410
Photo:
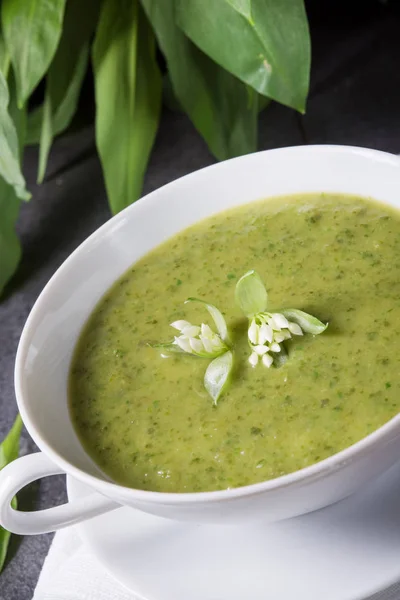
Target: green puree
148,422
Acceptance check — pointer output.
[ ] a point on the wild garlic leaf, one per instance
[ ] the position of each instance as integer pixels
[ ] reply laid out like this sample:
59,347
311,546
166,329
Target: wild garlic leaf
250,294
217,317
171,101
63,115
10,168
128,98
307,322
46,137
242,6
65,76
9,450
9,447
10,247
274,42
32,29
223,109
218,374
34,126
5,539
4,57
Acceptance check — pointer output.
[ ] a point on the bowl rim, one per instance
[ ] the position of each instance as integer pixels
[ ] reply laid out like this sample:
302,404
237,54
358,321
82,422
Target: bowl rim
111,489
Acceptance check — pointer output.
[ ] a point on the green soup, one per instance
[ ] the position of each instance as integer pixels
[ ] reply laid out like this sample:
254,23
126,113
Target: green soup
148,422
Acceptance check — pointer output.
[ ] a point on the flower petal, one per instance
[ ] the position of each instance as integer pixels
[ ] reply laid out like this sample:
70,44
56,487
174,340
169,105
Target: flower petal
308,323
208,347
275,347
191,331
253,332
280,336
218,375
295,329
260,350
253,359
272,323
206,331
280,320
250,294
217,317
267,360
196,345
183,342
266,334
180,325
217,343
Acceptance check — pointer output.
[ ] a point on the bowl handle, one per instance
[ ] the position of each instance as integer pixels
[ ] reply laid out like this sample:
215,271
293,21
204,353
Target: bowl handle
24,470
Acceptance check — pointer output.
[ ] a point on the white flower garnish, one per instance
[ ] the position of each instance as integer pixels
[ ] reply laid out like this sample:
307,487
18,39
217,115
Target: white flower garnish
267,331
200,341
267,334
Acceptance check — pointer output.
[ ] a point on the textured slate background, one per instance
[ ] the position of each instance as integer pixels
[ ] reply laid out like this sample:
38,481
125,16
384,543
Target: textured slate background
355,99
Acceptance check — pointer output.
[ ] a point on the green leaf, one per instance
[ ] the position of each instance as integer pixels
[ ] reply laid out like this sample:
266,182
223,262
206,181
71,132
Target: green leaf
128,98
307,322
250,294
268,49
34,126
9,155
68,67
9,450
60,123
217,317
10,248
218,374
5,539
242,6
173,104
4,58
65,75
221,107
32,30
46,136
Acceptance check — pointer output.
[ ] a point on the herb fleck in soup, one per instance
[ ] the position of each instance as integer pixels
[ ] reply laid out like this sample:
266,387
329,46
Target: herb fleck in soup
148,422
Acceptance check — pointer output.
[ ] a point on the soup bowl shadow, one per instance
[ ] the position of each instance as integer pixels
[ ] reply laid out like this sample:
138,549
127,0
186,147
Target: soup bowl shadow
53,327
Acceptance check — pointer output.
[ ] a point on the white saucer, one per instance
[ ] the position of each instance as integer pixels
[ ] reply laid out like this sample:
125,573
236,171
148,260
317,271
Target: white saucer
345,552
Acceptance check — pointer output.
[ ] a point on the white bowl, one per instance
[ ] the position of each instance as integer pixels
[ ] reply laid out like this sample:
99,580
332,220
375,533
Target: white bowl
53,327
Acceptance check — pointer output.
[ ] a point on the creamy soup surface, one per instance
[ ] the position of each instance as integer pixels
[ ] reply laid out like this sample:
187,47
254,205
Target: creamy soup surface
148,422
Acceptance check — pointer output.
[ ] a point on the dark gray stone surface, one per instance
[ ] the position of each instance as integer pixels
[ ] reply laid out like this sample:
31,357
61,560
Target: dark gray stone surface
355,99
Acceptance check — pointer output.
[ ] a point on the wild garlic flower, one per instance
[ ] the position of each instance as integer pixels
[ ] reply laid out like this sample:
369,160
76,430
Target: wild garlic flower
198,340
202,341
266,333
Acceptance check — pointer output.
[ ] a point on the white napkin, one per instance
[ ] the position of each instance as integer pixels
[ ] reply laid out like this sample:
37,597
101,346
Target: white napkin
70,572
